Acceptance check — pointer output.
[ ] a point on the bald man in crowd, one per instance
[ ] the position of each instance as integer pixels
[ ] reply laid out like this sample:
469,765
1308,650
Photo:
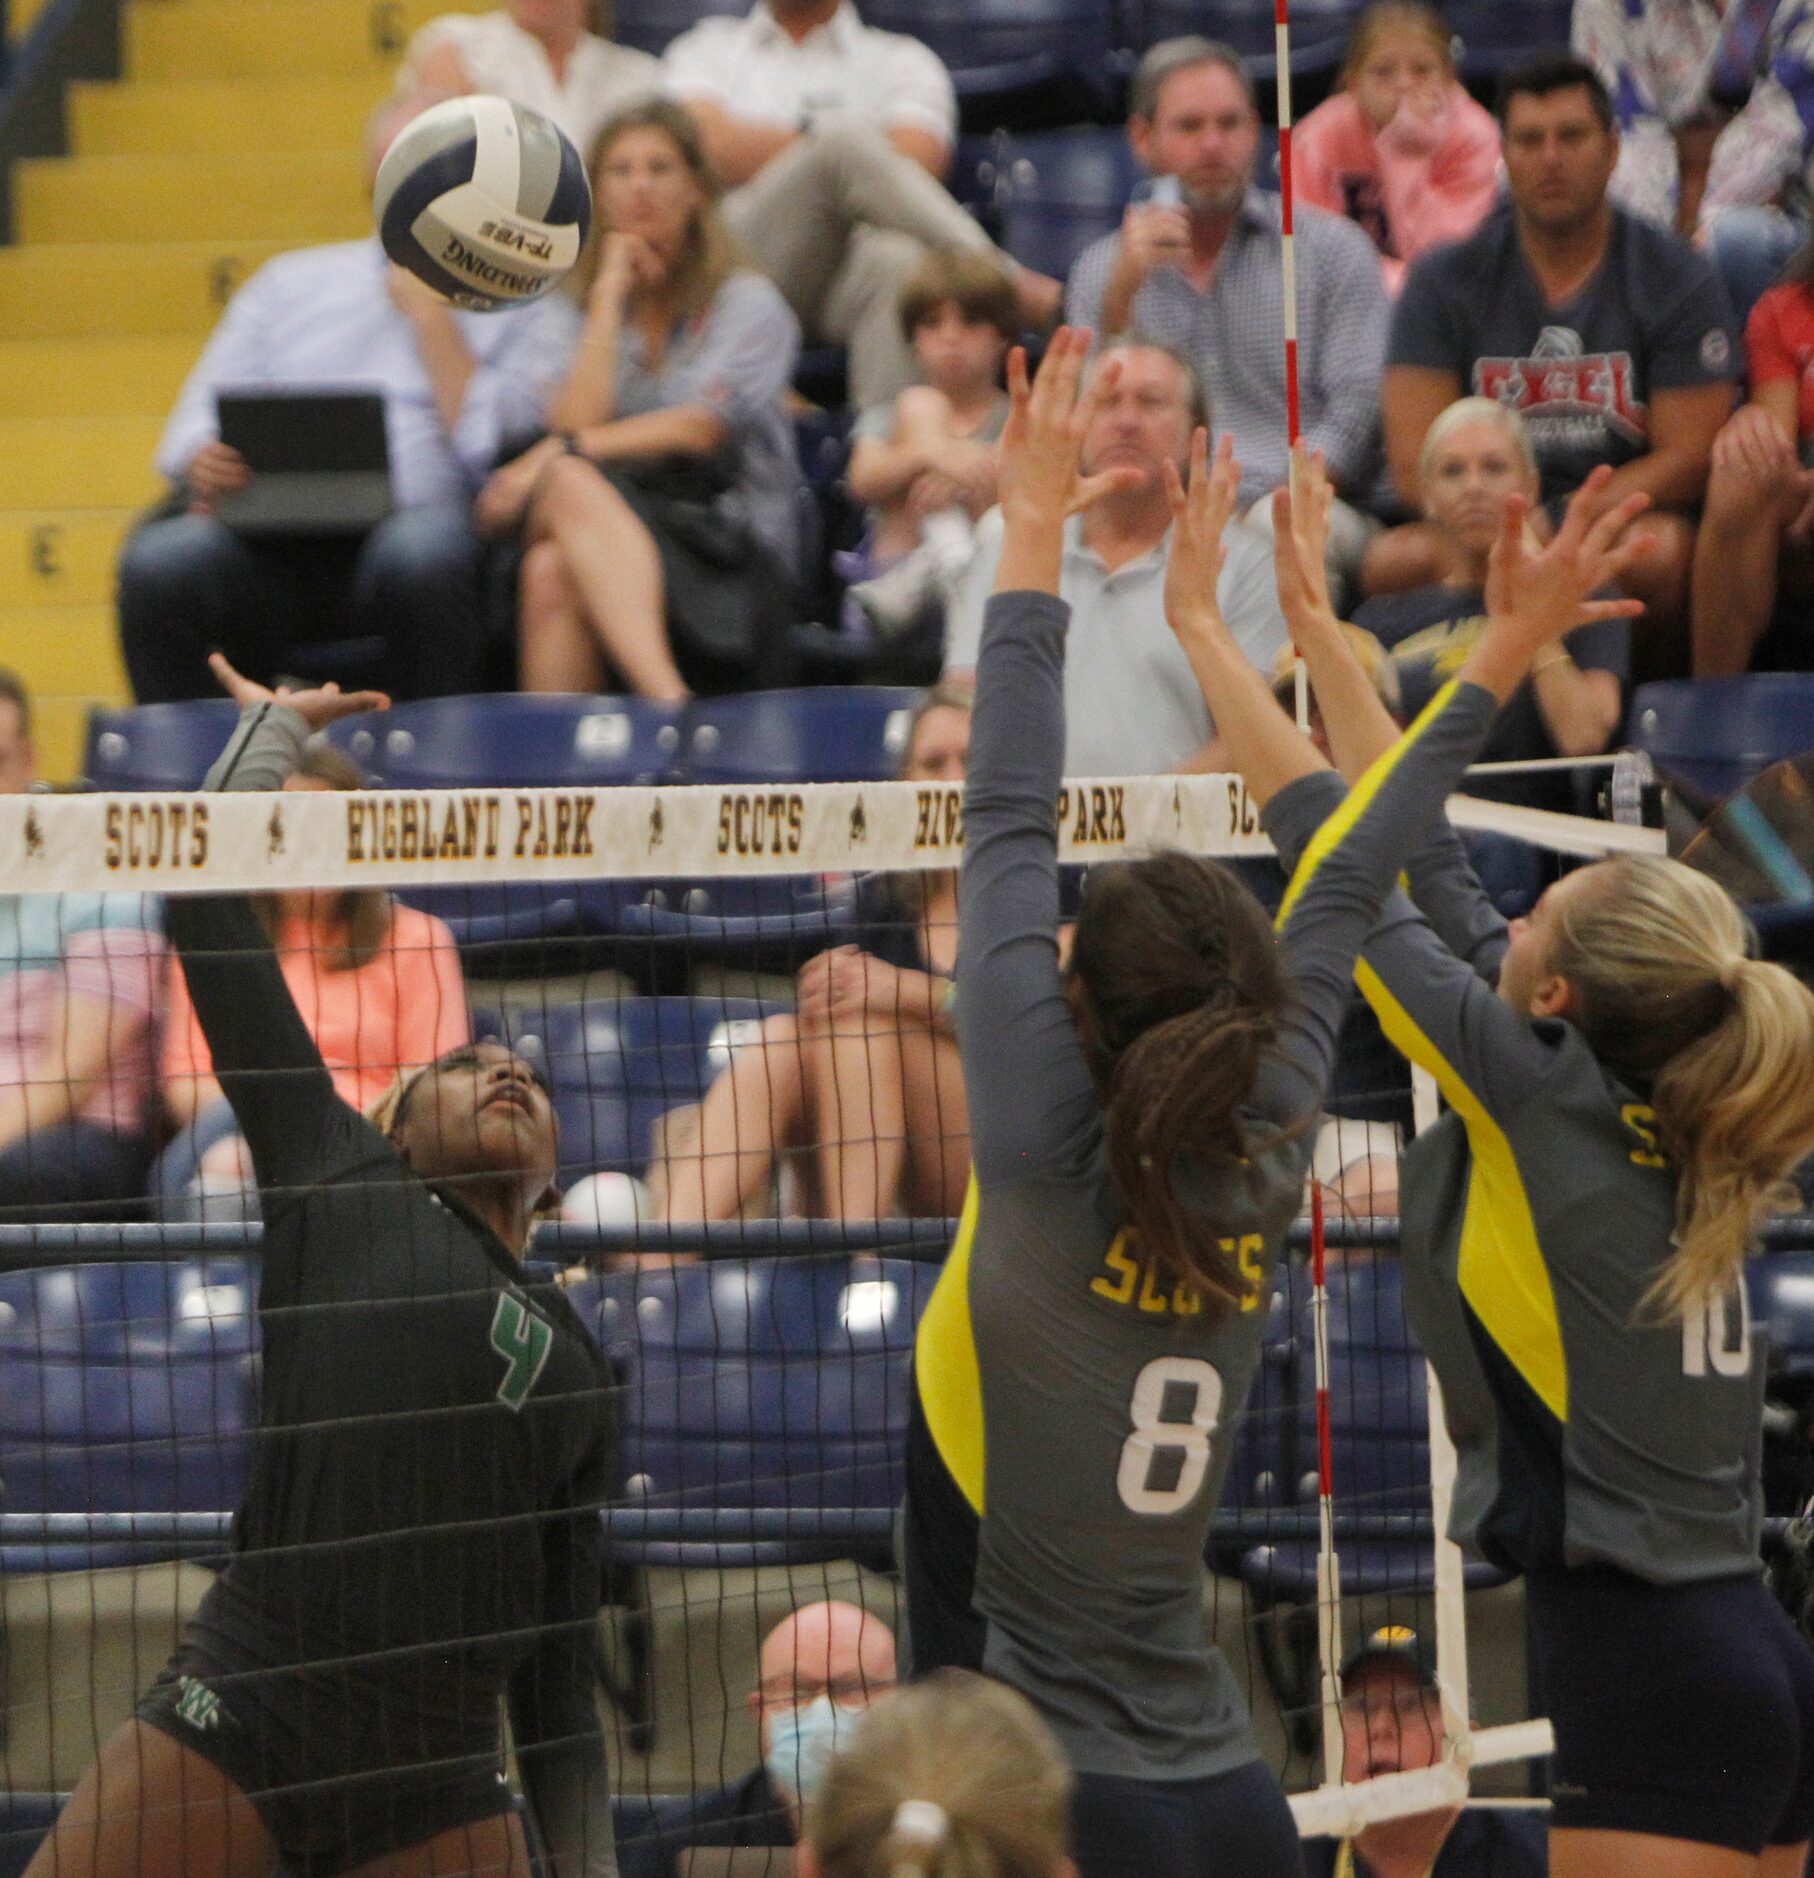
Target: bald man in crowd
819,1669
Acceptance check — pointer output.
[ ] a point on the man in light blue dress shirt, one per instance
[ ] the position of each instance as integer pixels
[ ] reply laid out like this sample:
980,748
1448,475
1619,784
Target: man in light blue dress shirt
456,387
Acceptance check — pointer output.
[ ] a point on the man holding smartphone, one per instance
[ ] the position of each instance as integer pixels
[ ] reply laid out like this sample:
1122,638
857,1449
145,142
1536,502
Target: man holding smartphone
1199,263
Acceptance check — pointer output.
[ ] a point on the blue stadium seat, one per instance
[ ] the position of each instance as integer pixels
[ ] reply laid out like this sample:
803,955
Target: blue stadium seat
1494,36
24,1820
834,733
156,746
650,24
1020,60
124,1388
1060,190
1717,734
515,741
1319,30
615,1065
777,1383
1781,1286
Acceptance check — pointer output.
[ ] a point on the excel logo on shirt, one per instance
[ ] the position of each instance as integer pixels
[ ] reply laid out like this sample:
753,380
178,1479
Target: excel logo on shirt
1560,386
523,1340
197,1704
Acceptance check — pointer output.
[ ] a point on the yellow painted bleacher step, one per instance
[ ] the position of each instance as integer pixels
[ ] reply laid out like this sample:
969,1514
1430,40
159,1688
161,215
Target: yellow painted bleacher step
60,557
294,197
227,117
274,38
95,462
120,377
69,658
81,289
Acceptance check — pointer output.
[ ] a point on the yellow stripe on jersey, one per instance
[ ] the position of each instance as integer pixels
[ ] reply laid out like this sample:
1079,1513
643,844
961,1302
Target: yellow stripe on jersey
945,1370
1330,836
1502,1271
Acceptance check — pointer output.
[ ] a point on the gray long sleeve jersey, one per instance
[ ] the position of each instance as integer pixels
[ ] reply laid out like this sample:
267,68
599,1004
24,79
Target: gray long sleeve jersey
1073,1412
1537,1215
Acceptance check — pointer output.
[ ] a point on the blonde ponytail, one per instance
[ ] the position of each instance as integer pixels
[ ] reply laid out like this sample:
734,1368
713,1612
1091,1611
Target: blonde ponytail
952,1777
1665,993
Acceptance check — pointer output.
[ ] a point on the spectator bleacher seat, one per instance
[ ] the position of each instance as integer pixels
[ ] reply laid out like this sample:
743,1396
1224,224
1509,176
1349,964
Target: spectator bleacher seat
515,741
156,746
1781,1287
1716,734
1015,61
778,1384
615,1065
1057,191
835,733
1319,31
1494,35
24,1820
124,1388
650,24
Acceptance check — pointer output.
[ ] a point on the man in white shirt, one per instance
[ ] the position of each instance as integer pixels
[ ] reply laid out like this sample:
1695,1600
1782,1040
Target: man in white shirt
537,53
457,388
1133,706
835,138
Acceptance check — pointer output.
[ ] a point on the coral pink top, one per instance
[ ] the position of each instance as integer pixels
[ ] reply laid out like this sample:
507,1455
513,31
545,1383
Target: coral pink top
404,1007
1418,183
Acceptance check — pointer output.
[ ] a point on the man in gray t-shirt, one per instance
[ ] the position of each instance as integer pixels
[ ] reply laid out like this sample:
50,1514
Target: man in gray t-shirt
1132,704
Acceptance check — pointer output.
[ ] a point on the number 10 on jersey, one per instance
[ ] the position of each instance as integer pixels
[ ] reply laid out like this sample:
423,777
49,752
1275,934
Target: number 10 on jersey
1166,1455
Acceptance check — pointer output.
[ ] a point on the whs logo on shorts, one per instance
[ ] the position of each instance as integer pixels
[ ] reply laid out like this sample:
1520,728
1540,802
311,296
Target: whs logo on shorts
197,1704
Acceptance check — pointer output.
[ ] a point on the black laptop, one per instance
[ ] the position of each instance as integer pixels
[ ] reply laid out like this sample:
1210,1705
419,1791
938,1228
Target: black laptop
320,464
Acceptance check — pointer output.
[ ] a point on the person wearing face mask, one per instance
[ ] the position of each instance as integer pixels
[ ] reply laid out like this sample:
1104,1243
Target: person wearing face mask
1391,1724
819,1670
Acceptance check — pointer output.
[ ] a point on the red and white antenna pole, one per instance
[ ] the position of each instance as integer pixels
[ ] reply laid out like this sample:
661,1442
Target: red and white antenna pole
1329,1570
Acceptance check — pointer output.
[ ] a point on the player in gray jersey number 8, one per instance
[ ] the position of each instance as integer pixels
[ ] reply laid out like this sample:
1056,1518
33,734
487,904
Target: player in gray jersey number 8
1140,1133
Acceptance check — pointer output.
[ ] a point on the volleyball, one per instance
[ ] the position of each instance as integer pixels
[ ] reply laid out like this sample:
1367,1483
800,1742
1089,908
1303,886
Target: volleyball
484,201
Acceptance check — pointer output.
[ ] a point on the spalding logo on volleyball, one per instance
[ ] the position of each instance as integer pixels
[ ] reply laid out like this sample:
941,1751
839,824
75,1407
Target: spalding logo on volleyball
484,201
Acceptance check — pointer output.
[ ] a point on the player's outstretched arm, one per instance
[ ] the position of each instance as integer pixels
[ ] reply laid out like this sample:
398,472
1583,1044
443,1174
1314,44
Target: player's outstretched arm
1264,745
266,1060
1015,1030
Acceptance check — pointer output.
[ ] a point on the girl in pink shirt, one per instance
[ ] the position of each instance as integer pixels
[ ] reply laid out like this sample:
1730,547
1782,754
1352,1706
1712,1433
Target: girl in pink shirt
379,986
1400,148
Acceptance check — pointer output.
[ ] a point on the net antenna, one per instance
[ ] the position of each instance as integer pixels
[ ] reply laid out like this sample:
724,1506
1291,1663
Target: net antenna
1336,1808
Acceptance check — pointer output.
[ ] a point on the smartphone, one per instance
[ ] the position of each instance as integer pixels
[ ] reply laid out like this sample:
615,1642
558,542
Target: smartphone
1159,192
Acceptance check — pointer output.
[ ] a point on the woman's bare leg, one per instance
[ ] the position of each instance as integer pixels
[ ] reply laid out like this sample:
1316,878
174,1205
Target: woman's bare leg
488,1848
612,562
747,1116
150,1805
1579,1854
854,1098
556,649
1732,591
938,1126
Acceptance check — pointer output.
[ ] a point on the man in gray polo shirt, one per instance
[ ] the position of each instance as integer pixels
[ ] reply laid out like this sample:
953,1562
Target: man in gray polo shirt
1133,707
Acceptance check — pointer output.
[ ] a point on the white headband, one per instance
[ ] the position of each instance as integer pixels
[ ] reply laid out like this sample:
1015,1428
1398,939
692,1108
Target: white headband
923,1820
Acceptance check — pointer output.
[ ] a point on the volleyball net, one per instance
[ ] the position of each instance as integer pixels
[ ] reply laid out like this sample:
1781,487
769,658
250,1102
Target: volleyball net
735,998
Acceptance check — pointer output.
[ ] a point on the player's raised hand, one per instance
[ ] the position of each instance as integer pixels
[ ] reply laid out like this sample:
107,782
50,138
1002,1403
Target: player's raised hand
1201,512
1048,419
1542,591
318,706
1300,544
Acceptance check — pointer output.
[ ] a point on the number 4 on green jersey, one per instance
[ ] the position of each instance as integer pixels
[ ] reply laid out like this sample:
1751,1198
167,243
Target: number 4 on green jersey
523,1340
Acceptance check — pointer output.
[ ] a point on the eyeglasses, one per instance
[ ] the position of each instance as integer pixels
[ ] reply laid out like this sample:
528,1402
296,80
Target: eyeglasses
845,1691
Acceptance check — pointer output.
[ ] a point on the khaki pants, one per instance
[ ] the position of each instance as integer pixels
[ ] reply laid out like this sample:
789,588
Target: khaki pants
838,221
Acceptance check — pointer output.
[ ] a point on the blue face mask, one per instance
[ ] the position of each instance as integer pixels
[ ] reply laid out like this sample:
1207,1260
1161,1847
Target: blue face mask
801,1742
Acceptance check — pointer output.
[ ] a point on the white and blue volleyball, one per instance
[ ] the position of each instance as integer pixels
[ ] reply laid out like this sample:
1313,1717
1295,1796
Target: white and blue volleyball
484,201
